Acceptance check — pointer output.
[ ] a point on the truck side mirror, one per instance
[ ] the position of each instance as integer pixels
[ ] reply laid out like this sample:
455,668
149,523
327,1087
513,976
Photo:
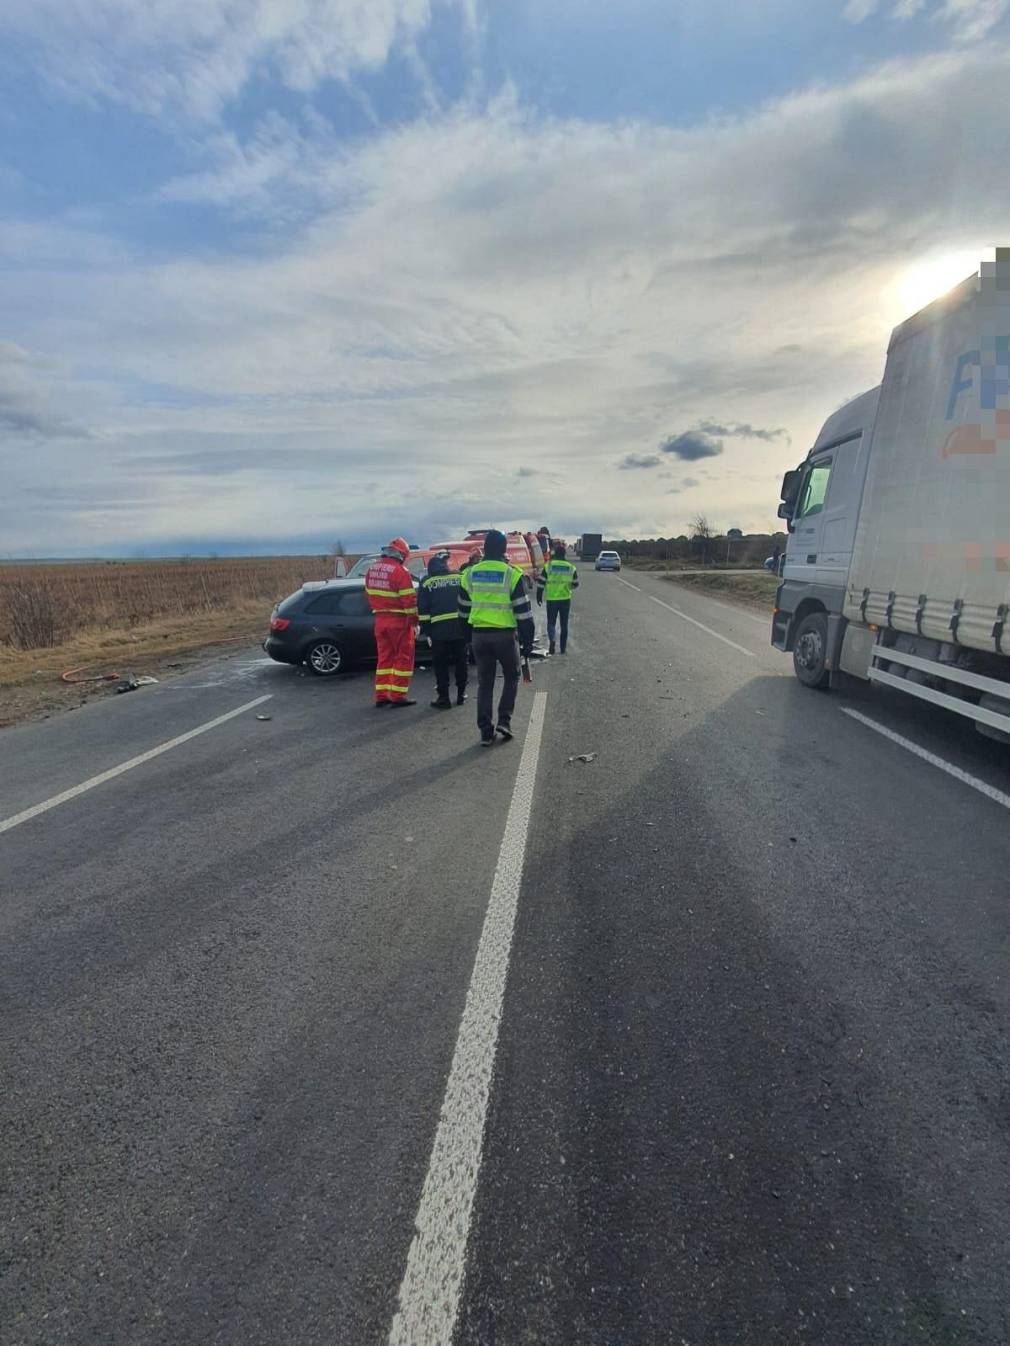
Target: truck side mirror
790,487
789,495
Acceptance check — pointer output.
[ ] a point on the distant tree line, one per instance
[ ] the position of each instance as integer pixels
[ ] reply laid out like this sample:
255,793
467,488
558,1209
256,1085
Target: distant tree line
702,546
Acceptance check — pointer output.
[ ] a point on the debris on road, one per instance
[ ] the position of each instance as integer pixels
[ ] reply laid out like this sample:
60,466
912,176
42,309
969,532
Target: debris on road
584,757
131,683
264,717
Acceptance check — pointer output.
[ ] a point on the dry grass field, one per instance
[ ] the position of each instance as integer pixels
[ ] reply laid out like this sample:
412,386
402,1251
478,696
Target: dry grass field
128,617
753,589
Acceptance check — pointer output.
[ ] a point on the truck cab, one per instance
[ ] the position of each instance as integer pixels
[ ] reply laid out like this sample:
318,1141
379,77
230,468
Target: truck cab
897,568
820,504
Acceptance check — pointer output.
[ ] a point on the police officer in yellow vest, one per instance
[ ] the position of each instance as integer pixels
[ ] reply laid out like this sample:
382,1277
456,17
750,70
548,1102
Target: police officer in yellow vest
557,582
494,603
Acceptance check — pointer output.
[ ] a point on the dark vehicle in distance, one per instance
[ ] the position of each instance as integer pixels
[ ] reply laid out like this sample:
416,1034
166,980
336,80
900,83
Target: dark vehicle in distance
328,626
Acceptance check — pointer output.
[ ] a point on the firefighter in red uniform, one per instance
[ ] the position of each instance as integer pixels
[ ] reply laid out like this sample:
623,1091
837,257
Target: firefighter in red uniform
392,598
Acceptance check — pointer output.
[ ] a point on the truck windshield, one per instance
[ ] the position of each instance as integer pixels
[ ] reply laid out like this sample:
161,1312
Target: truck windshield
815,488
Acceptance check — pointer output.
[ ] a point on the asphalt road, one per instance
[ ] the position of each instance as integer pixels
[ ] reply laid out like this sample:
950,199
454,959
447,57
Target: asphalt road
750,1083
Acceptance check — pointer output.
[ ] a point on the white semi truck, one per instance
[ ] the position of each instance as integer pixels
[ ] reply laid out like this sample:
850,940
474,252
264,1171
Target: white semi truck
897,567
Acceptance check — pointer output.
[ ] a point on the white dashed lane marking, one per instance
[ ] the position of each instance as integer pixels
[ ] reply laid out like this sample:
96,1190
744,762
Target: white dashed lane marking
7,823
990,791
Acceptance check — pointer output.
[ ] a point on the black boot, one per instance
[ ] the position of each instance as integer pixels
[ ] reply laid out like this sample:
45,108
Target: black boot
442,702
460,696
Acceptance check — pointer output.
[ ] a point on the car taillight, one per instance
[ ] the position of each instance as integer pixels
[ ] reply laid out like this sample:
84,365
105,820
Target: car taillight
279,623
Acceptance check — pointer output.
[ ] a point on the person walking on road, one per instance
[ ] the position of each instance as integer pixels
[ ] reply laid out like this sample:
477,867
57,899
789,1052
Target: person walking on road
493,601
438,611
391,597
557,582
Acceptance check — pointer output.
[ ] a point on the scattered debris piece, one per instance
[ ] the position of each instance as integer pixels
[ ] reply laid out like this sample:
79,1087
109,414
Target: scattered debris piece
264,717
145,681
177,664
584,757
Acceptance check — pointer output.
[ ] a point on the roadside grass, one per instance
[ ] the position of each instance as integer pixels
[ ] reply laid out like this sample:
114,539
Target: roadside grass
752,590
687,563
129,617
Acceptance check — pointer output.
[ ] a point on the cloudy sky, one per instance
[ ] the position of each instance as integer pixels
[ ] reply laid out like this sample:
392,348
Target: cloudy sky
276,272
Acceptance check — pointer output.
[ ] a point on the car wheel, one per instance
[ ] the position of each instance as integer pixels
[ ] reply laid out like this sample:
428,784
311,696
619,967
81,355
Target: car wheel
324,658
810,651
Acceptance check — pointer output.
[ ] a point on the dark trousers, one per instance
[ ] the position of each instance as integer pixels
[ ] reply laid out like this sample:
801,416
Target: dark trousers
558,607
447,655
491,649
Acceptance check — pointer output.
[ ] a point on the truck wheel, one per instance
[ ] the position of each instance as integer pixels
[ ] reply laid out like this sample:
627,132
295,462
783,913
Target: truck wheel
324,658
810,650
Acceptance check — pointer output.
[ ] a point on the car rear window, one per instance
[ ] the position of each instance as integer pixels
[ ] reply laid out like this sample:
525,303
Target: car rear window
325,605
346,602
291,603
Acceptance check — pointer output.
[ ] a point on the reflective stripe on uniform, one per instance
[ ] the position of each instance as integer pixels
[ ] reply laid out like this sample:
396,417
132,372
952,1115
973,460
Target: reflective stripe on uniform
489,585
442,617
558,580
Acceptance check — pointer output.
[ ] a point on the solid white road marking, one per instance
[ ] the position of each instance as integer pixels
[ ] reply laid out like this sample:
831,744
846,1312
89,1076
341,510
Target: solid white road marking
76,790
981,786
429,1292
725,639
737,612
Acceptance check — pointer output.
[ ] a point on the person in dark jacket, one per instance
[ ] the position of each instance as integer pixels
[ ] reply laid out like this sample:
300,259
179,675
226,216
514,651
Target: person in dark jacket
438,613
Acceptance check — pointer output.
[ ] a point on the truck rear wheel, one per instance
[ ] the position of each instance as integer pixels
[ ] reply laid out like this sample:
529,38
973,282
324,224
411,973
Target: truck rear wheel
810,650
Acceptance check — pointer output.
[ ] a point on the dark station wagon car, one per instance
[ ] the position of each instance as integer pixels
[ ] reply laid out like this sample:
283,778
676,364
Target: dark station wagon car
328,625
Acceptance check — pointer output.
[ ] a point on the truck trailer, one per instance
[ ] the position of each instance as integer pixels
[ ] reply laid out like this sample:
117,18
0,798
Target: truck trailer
590,545
897,565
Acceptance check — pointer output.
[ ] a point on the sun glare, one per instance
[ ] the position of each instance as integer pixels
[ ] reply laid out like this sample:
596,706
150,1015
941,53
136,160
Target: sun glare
928,279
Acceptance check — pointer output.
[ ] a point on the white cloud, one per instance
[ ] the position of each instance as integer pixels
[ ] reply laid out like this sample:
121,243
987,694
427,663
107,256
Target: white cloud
968,20
198,55
484,291
28,409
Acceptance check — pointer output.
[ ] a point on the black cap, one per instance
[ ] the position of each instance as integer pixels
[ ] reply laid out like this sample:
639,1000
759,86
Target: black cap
495,543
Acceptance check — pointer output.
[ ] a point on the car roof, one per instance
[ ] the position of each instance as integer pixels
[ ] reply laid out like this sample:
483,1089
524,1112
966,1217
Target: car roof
317,586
